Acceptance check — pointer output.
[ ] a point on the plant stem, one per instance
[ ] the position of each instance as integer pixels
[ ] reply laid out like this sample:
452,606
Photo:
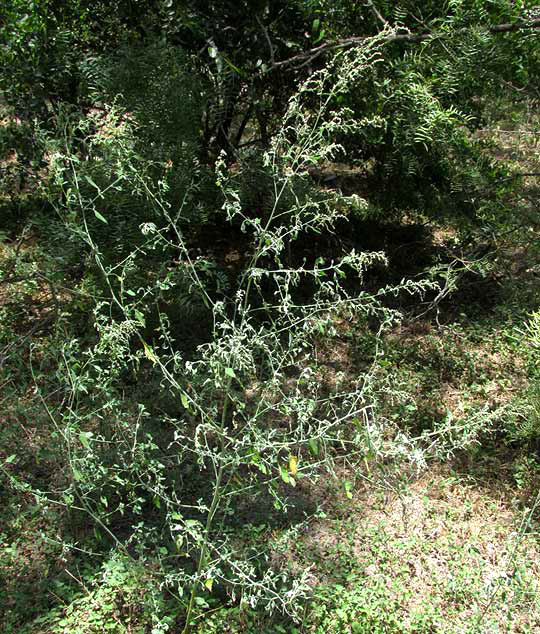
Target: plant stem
204,548
216,498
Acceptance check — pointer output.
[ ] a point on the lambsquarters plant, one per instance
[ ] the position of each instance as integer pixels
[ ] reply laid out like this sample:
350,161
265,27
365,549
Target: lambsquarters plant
253,416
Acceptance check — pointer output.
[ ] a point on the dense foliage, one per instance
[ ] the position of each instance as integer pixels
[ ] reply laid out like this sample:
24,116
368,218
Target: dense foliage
201,201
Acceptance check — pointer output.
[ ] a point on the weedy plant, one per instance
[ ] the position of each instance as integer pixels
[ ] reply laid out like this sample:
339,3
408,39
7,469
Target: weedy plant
164,476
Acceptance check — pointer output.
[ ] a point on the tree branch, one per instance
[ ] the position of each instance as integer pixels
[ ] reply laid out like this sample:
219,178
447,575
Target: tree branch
377,13
267,37
307,57
515,26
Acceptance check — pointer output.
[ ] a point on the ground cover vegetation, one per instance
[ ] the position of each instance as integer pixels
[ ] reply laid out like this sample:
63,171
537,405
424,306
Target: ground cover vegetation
269,316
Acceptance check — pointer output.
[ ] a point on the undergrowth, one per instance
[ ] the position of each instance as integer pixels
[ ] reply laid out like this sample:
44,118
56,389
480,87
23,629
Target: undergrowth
326,421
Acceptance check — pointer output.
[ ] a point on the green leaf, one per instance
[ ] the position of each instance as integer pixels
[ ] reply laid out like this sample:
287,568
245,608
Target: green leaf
185,400
230,372
149,353
84,437
316,24
313,446
91,182
321,36
256,460
347,485
231,65
209,583
285,475
100,217
11,458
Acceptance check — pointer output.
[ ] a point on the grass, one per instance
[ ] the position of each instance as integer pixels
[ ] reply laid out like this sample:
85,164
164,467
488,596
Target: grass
436,554
451,553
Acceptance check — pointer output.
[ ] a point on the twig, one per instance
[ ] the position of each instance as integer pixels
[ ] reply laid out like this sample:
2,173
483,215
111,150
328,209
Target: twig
377,13
35,328
264,30
306,57
515,26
